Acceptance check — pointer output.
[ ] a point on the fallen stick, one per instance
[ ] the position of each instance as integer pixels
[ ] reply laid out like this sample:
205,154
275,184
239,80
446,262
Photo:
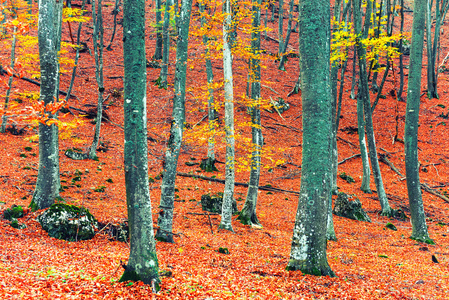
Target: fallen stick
263,188
343,140
350,157
288,126
424,186
428,189
3,72
383,158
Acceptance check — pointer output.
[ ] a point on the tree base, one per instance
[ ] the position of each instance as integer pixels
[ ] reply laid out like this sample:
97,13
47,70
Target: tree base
247,218
163,236
331,237
131,275
425,239
208,165
308,268
225,227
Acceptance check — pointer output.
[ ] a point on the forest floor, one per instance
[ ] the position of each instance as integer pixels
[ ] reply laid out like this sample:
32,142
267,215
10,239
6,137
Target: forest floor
370,261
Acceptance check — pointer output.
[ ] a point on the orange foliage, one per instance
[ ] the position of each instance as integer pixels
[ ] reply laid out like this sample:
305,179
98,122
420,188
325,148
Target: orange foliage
371,262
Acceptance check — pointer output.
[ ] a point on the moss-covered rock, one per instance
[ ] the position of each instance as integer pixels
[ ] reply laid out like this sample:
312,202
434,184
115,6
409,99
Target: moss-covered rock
68,222
76,154
391,226
208,165
351,209
346,177
213,203
13,213
16,224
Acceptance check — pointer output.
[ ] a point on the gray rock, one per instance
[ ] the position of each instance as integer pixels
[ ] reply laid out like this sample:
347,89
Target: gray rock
214,203
351,209
68,222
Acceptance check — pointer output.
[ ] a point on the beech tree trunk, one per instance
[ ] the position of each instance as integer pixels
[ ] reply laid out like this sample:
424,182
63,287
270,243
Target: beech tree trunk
228,195
308,251
248,214
8,91
98,41
418,218
159,38
166,39
211,112
143,263
365,98
165,219
49,36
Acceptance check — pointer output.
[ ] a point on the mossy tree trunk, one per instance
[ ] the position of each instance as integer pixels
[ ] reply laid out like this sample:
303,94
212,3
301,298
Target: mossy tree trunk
365,98
166,39
158,27
366,177
98,41
11,77
77,55
418,218
287,38
228,195
309,243
211,112
334,80
49,36
281,26
143,263
165,219
248,214
441,7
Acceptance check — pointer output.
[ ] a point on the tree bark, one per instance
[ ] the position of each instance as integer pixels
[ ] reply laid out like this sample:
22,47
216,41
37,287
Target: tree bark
159,38
309,243
248,214
143,263
166,39
418,218
165,219
98,41
211,112
228,195
11,77
49,36
365,98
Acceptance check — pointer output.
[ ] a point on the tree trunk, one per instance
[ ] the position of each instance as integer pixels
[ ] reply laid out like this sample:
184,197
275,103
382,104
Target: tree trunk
166,37
330,233
365,186
248,214
8,91
77,56
159,38
308,251
165,220
418,218
143,263
287,38
211,112
228,195
280,26
365,98
97,19
49,36
115,13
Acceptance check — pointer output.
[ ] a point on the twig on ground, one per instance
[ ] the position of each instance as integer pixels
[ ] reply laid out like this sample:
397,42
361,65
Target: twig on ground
348,158
264,188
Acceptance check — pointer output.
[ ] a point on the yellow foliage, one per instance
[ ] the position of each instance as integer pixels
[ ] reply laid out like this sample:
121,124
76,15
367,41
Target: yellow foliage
74,15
